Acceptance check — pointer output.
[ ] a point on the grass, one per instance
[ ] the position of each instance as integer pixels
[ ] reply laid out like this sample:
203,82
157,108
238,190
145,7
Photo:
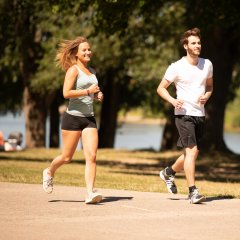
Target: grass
217,174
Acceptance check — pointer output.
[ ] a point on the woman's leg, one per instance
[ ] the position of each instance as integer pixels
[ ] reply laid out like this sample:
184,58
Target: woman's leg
70,141
90,145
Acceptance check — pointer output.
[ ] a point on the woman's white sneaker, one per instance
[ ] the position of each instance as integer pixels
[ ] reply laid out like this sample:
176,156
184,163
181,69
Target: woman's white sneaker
47,181
94,197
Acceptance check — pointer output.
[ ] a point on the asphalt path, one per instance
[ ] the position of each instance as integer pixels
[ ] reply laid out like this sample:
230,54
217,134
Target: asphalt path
28,213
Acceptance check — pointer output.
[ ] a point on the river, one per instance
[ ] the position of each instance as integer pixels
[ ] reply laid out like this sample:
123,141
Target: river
129,136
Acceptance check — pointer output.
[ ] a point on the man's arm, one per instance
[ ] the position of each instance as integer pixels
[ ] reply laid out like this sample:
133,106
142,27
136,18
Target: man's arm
163,92
209,89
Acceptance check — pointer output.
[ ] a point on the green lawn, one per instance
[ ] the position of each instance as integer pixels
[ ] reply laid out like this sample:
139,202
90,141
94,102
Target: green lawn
217,175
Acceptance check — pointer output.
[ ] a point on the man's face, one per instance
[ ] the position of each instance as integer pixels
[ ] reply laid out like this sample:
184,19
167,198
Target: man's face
193,47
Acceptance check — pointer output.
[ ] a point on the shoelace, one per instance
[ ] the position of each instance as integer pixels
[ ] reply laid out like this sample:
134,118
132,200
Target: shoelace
49,182
170,181
195,192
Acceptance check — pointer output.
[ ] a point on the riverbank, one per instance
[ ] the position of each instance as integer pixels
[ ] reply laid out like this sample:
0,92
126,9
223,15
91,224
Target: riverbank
138,119
134,132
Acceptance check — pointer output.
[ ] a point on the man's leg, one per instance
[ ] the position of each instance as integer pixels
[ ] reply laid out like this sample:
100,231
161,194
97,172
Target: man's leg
191,154
189,168
178,166
168,174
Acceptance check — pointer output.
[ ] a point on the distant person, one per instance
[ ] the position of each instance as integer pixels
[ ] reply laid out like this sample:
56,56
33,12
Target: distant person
13,143
15,139
193,79
2,143
81,88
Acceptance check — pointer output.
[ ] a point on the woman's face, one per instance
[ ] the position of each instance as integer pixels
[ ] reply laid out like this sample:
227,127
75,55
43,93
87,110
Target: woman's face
84,52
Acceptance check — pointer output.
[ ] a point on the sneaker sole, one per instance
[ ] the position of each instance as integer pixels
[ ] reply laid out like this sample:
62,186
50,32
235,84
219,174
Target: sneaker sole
200,200
162,177
47,190
95,199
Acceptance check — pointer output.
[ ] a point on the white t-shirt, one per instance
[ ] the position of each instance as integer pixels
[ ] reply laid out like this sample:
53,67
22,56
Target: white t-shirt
190,82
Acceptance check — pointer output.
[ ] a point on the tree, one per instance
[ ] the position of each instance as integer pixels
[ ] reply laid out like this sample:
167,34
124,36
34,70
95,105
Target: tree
131,45
219,22
136,65
21,51
33,32
220,27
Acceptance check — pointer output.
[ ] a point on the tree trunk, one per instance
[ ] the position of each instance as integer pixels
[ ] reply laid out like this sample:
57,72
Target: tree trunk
170,134
219,50
35,117
54,121
110,107
54,126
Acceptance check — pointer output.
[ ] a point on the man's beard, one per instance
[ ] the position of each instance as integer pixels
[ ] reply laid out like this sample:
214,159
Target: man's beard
194,53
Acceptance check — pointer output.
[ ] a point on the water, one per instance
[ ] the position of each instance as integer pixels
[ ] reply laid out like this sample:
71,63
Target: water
139,136
130,136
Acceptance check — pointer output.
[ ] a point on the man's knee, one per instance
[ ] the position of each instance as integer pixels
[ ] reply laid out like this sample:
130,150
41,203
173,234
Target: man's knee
192,151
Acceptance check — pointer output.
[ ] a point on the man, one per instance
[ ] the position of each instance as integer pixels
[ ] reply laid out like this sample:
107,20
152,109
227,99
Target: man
193,79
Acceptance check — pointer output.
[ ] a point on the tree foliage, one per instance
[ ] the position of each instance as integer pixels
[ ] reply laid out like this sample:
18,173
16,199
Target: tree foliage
133,41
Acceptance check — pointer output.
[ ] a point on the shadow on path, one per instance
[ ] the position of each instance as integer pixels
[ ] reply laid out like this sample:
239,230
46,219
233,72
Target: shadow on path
227,197
104,200
64,201
115,199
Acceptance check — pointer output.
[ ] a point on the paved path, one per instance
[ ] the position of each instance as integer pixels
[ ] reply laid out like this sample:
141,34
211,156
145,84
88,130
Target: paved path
27,213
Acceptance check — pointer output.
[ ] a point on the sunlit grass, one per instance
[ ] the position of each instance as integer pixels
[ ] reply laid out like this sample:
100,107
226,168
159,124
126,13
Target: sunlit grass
126,170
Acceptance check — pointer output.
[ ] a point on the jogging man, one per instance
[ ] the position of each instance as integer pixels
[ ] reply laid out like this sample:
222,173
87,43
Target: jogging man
193,79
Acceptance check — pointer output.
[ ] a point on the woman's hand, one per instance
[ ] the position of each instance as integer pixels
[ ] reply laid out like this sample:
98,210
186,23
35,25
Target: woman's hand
98,96
94,88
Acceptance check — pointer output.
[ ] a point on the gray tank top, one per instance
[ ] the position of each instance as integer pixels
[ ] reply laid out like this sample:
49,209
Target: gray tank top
82,106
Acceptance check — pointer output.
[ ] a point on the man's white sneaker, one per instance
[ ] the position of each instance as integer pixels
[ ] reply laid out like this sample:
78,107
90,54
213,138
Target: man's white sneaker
196,197
169,181
94,197
47,181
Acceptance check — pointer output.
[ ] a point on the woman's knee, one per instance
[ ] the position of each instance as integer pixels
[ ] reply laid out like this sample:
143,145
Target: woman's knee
91,157
66,159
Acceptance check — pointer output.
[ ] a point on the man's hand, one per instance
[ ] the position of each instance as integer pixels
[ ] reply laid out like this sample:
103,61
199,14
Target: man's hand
177,103
203,99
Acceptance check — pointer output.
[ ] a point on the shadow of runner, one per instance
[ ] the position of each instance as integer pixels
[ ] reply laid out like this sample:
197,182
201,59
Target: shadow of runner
114,199
208,199
104,200
178,198
227,197
65,201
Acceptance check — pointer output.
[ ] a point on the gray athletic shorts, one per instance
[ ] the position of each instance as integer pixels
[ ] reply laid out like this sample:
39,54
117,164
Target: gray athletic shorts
190,129
76,123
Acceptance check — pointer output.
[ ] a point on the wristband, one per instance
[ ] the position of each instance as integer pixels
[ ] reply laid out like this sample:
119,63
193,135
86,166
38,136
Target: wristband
88,93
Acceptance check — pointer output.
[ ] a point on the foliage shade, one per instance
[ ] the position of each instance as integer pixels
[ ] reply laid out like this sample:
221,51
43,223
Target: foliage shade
134,40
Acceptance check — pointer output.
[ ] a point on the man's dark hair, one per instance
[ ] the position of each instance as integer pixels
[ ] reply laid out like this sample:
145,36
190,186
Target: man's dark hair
188,33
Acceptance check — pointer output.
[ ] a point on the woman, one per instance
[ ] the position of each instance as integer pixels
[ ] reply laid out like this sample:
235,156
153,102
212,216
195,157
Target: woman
81,88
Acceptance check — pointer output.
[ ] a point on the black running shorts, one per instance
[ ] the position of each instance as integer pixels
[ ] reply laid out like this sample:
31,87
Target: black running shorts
76,123
190,129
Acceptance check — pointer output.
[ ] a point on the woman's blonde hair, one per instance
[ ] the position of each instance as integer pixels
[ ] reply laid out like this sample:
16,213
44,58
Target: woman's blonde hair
67,51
